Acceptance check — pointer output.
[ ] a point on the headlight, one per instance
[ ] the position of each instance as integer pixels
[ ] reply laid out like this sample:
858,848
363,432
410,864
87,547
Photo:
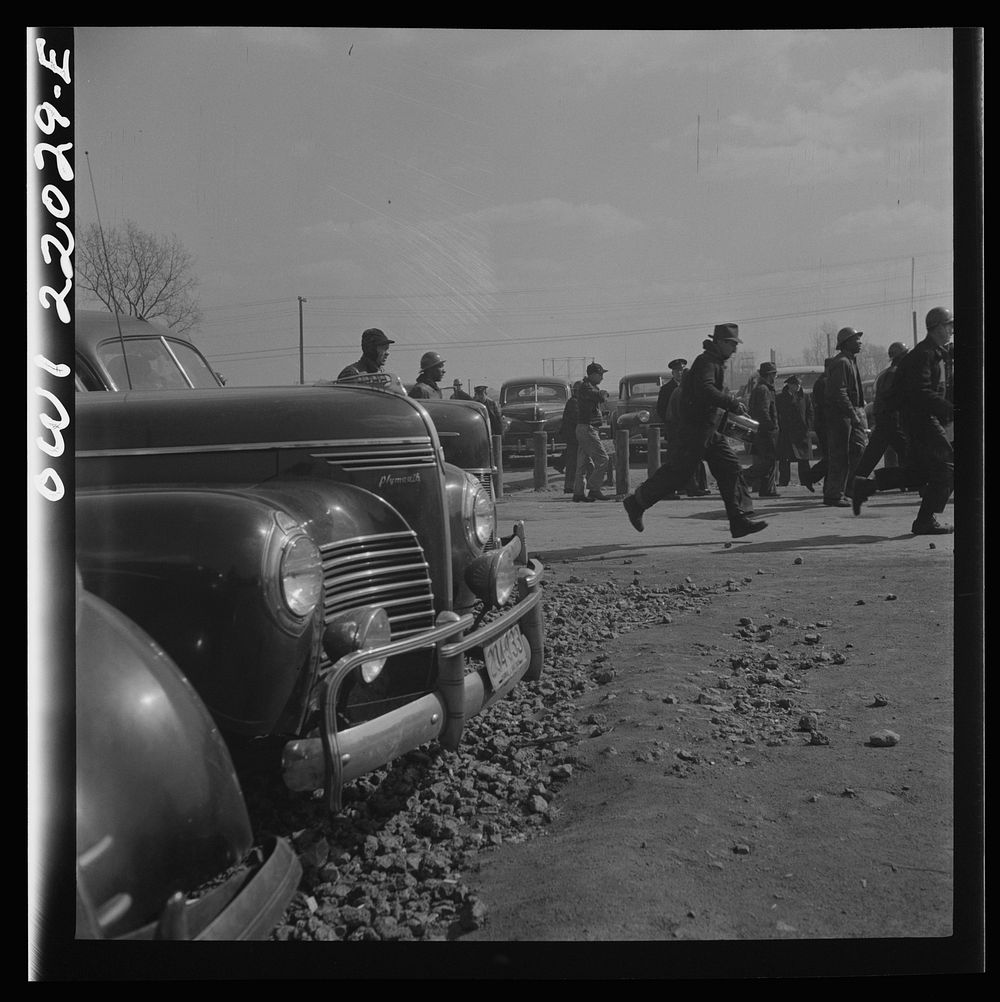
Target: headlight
361,629
480,513
301,575
492,577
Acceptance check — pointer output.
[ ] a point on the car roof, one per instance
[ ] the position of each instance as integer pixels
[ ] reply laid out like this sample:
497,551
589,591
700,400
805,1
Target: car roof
94,326
552,380
652,374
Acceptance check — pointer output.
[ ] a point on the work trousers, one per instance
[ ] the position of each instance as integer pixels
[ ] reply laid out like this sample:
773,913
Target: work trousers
569,457
785,472
846,445
682,461
591,460
885,436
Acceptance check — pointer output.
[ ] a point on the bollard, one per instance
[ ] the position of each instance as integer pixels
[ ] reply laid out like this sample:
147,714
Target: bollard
621,462
653,449
541,447
498,461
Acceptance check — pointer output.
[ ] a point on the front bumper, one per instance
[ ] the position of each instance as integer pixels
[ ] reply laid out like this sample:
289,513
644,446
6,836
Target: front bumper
337,757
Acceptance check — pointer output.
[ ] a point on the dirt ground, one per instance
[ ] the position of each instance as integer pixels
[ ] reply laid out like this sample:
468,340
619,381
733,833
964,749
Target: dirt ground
678,829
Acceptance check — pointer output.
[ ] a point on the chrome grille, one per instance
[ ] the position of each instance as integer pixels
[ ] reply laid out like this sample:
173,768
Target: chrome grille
379,455
389,570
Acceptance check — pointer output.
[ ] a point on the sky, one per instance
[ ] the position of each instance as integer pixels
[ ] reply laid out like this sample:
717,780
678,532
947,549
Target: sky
520,201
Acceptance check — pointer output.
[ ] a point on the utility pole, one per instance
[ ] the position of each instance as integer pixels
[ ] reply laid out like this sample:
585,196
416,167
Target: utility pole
302,356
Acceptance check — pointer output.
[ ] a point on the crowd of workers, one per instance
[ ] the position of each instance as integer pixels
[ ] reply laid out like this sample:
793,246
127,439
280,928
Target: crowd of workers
911,410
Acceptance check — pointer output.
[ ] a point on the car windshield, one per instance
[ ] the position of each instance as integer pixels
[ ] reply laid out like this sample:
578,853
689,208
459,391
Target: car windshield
646,387
154,363
535,393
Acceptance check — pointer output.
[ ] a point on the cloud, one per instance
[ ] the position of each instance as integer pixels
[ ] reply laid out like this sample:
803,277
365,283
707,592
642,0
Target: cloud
916,216
870,92
602,220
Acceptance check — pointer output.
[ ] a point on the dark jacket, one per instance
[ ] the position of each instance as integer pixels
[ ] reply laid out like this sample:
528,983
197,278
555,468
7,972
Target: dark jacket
795,418
663,399
845,398
493,410
570,416
425,389
704,390
362,365
591,397
920,384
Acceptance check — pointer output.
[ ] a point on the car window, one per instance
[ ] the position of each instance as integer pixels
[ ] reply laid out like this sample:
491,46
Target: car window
154,363
645,387
535,392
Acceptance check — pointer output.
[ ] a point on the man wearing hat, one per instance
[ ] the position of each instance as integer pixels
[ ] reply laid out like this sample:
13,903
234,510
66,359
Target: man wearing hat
492,408
374,352
919,388
592,461
699,439
431,373
795,418
764,410
846,426
457,393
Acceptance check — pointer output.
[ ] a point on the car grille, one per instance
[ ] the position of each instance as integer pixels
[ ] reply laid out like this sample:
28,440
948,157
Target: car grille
379,456
389,570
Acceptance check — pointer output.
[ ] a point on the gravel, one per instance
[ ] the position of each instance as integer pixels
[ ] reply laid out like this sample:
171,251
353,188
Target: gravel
390,866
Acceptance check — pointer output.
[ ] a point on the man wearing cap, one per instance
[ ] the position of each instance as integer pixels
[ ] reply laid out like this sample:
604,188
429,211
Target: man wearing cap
919,387
668,402
846,426
374,352
492,408
457,393
795,418
431,373
591,460
764,449
699,439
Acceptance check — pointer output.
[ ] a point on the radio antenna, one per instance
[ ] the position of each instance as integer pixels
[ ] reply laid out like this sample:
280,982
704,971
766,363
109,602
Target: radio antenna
107,264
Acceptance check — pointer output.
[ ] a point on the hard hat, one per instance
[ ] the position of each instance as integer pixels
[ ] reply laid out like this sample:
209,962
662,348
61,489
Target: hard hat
429,360
938,316
846,334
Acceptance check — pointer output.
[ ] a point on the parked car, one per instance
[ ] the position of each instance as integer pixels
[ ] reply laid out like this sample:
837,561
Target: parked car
637,393
311,561
530,404
159,811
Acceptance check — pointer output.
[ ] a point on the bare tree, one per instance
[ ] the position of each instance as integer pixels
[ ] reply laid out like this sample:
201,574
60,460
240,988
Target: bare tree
872,359
140,275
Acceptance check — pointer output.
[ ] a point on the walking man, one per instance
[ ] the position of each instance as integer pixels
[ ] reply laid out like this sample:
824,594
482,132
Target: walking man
431,373
920,387
764,410
374,353
795,418
699,439
591,461
846,427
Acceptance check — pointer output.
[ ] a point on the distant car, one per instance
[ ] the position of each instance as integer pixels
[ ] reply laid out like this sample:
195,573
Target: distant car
530,404
638,392
159,810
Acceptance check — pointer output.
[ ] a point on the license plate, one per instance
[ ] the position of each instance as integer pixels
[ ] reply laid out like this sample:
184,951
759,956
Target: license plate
506,655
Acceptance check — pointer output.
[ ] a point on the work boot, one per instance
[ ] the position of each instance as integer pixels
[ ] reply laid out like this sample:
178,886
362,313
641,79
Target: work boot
837,502
598,496
581,498
809,486
863,489
745,528
931,528
634,512
773,494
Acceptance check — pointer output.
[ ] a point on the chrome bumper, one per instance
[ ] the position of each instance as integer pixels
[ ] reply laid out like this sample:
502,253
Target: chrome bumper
336,757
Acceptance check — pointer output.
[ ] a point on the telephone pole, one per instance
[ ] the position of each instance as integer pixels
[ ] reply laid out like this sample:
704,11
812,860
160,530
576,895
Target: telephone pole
302,357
